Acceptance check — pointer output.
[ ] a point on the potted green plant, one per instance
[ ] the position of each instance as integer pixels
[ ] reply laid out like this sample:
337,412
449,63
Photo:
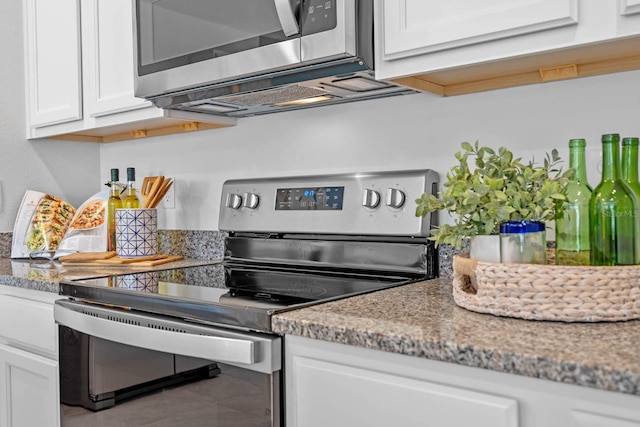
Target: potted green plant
499,188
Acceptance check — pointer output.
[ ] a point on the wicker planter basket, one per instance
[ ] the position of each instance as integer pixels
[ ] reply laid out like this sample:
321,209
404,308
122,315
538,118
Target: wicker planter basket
547,292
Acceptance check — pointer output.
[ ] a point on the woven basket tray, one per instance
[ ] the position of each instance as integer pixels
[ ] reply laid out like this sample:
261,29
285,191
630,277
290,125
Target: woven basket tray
547,292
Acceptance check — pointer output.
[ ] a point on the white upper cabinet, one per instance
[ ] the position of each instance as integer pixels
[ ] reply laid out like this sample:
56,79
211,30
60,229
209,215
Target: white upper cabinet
79,64
452,47
414,27
54,85
109,57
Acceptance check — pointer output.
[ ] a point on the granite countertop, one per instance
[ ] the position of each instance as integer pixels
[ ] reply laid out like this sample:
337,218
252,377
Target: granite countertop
46,275
422,320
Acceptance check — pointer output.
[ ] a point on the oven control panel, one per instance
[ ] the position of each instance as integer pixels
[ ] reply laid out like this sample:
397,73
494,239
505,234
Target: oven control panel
368,203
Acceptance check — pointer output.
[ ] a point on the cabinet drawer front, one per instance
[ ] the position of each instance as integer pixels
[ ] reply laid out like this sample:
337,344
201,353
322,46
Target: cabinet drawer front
29,323
389,400
415,27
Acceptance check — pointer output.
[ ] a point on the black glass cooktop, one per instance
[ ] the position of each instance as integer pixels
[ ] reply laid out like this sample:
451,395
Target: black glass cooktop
224,294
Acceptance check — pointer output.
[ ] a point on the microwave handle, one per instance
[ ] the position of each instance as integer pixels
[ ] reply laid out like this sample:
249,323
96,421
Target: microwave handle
287,17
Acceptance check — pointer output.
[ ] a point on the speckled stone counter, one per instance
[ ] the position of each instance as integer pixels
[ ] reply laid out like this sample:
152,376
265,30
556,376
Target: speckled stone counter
422,320
46,276
199,247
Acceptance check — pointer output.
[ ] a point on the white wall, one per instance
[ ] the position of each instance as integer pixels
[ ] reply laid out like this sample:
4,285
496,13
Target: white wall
64,169
415,131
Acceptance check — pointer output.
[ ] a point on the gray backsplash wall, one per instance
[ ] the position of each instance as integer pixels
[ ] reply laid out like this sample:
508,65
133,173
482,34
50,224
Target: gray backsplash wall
405,132
209,245
198,244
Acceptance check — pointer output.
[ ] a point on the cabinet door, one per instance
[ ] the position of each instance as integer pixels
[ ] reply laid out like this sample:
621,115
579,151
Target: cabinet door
53,61
333,394
108,57
629,7
29,389
413,27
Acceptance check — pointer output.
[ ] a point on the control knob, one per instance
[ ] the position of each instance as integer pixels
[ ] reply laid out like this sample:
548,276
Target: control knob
233,201
370,198
251,200
395,198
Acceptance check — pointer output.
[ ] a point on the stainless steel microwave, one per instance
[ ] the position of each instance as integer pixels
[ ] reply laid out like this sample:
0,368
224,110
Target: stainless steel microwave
246,57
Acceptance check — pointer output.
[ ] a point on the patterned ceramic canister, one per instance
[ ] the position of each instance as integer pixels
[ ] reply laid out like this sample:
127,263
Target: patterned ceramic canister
142,282
136,232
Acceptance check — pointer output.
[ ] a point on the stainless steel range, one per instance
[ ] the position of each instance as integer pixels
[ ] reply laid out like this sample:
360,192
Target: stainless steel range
292,242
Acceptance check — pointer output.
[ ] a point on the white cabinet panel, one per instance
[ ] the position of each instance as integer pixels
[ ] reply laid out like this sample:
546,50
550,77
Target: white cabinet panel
53,61
332,394
590,419
80,76
414,27
29,390
109,57
329,384
629,7
29,323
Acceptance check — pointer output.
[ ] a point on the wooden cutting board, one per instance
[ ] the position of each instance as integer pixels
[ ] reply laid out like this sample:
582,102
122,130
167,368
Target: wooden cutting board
87,256
102,261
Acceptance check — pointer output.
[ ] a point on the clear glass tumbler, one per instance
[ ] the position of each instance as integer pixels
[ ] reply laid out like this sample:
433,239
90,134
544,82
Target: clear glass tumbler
523,242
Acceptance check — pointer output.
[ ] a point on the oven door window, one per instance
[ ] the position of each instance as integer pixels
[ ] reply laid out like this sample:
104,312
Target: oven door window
172,33
233,397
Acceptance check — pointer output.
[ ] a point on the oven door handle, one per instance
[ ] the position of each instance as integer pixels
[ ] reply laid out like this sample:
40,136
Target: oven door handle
164,335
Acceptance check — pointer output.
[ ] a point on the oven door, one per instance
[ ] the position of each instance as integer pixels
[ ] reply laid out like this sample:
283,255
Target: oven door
181,44
123,368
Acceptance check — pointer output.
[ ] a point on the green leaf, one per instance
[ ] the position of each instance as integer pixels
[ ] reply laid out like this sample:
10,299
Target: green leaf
467,147
497,187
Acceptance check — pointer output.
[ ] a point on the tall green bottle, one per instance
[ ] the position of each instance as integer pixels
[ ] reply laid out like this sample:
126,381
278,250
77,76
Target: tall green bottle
630,164
572,230
612,211
630,175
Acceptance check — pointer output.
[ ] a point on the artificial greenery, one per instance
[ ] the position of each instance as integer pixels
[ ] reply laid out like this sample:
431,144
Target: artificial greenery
500,188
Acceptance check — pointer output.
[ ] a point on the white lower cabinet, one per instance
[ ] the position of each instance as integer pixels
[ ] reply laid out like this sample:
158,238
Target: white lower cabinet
331,394
30,389
29,370
330,384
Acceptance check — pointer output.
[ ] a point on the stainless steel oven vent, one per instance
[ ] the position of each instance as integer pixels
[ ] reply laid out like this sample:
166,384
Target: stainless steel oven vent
273,96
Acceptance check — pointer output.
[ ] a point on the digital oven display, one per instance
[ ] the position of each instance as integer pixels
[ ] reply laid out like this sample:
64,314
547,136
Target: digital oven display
310,199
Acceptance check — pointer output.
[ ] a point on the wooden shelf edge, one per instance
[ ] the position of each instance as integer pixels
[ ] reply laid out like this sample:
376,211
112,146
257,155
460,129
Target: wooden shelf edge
423,84
140,133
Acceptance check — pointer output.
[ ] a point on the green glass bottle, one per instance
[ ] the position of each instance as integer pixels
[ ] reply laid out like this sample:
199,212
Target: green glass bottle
113,203
630,164
131,200
572,230
612,212
630,175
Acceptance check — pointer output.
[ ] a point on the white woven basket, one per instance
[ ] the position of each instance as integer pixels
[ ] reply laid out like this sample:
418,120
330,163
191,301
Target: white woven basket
548,292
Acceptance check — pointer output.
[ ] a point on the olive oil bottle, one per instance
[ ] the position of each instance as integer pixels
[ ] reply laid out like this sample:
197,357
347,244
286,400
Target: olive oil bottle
131,200
113,203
